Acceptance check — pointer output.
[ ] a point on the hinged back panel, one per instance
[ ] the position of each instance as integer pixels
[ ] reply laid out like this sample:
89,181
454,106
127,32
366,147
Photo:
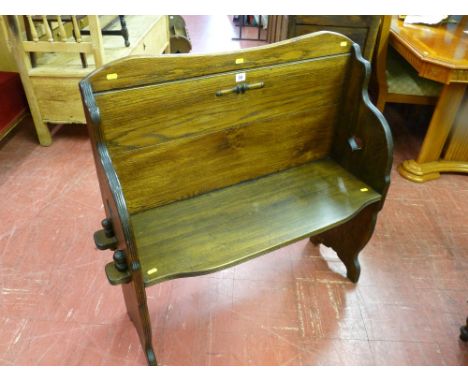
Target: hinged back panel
242,115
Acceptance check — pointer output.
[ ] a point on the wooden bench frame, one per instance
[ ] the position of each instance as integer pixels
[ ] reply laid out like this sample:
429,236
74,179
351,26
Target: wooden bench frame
362,148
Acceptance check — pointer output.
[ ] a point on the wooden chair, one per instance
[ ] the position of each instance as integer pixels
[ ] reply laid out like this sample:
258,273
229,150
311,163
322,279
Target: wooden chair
396,80
53,53
26,50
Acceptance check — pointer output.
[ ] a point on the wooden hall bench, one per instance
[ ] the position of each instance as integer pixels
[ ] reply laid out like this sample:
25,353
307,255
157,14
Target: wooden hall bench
206,161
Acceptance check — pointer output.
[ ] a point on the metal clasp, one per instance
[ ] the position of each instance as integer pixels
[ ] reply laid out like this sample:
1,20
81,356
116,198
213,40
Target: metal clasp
241,88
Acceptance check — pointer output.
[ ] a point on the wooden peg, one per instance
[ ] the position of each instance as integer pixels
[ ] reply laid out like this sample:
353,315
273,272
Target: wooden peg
48,31
63,34
76,29
32,28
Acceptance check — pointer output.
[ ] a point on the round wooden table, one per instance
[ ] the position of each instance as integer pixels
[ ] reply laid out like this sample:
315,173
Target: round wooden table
439,53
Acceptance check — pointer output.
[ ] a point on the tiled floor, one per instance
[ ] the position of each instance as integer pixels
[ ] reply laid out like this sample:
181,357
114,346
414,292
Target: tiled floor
291,307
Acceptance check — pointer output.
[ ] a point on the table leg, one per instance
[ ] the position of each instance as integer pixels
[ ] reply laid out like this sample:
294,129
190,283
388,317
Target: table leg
429,164
457,146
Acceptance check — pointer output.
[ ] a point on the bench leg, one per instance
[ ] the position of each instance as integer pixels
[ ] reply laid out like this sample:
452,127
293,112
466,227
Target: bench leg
464,332
137,308
349,238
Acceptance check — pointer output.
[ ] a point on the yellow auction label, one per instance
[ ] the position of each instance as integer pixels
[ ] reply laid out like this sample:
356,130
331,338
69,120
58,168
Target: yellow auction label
112,76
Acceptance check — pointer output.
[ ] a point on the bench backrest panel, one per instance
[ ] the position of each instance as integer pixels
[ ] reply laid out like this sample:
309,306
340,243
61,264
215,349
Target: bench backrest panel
173,140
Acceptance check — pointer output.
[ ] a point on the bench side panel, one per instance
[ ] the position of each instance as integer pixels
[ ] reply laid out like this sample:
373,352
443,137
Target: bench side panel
362,122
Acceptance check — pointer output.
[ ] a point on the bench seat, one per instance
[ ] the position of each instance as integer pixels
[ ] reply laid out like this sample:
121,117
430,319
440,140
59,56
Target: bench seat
228,226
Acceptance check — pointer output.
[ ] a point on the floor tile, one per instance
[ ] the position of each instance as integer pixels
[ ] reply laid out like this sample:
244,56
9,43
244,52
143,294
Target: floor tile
397,353
332,352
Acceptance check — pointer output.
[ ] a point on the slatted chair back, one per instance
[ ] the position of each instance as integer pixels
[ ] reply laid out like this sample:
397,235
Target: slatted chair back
58,34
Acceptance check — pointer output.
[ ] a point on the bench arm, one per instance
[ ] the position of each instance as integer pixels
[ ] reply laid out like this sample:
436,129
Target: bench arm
117,214
126,268
363,143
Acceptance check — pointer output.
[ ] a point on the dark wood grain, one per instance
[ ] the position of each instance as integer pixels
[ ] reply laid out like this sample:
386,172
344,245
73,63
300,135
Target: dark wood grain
225,227
193,181
361,119
288,88
170,155
143,70
361,29
349,238
118,217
